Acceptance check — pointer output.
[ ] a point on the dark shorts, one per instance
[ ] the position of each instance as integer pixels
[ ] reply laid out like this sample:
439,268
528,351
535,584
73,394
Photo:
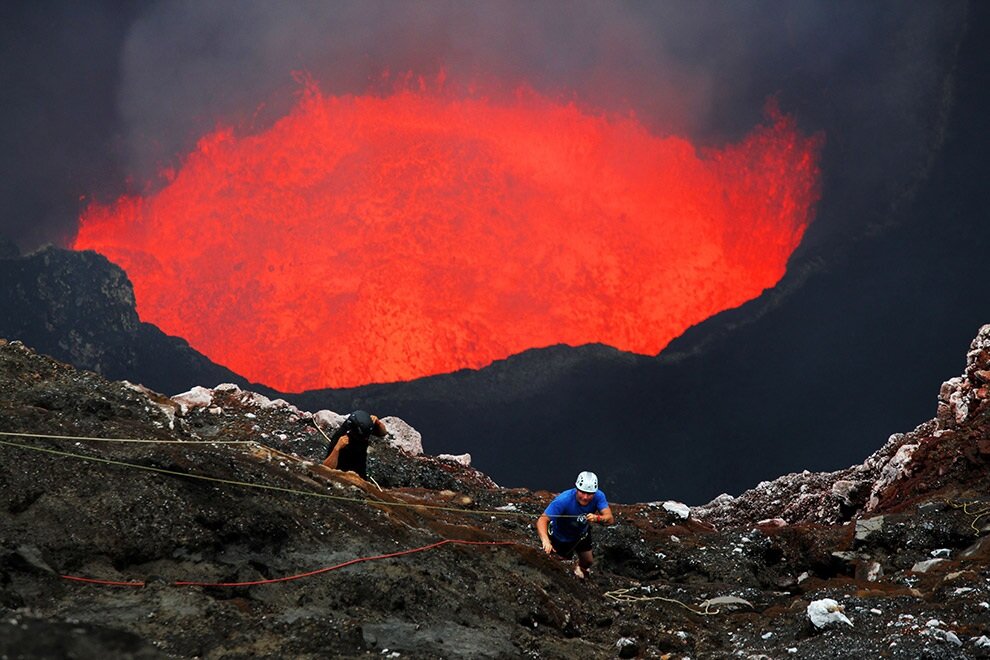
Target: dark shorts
566,549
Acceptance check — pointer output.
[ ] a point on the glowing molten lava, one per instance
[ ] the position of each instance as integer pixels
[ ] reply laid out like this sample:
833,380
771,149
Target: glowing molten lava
369,239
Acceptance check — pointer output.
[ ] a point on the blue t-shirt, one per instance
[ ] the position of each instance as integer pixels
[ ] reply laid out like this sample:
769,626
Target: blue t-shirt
565,529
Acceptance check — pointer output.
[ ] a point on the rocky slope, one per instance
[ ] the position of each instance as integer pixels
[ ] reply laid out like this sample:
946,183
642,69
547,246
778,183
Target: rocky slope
79,307
899,543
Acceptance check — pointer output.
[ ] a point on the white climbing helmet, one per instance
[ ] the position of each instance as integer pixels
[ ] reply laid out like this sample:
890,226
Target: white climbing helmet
587,482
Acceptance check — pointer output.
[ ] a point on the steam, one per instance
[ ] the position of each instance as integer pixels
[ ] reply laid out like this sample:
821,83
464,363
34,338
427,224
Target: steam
701,69
873,76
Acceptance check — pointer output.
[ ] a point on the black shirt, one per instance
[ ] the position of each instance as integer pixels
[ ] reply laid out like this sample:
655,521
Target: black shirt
353,457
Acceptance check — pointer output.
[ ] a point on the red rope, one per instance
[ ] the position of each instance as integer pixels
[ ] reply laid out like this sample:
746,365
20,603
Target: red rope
298,576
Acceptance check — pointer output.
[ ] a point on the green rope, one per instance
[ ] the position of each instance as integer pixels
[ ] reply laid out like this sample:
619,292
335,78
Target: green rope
156,442
245,484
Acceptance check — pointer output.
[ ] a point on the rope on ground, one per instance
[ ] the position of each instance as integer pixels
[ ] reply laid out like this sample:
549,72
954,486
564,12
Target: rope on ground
298,576
245,484
626,596
152,442
985,511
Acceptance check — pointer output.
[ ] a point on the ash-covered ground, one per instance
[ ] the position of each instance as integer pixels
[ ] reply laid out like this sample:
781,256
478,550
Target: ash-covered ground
899,543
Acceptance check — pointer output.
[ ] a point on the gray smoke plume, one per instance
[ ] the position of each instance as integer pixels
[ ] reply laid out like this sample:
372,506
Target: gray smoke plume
873,76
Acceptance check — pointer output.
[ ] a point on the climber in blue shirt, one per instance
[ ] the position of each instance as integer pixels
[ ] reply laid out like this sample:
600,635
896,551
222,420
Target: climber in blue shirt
564,527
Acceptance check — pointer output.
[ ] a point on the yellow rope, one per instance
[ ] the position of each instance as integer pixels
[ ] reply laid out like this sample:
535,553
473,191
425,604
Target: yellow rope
156,442
978,514
624,596
261,486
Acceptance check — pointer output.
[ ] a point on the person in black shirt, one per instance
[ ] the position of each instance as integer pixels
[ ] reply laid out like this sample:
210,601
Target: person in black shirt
349,443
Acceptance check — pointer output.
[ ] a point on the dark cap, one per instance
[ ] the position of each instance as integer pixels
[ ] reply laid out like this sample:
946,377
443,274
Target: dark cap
360,421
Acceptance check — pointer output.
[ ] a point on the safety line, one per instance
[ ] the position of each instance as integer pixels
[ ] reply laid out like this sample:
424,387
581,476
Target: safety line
156,442
298,576
245,484
978,514
625,596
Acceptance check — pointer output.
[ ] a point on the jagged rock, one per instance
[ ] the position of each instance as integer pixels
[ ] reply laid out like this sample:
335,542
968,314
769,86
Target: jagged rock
979,550
31,556
963,396
825,612
867,526
627,647
79,307
927,565
329,419
462,459
677,510
851,493
897,468
402,436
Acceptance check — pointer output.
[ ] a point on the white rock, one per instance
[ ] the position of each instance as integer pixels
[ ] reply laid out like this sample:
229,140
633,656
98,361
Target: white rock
923,566
678,509
624,642
825,612
944,635
730,602
982,642
197,397
405,437
463,459
897,467
328,420
941,552
960,406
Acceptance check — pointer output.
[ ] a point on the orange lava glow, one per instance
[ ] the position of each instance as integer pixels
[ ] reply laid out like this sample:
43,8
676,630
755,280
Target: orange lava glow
374,238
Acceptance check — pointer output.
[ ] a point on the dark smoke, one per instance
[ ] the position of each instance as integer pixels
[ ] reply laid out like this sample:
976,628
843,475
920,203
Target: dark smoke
115,92
59,127
871,75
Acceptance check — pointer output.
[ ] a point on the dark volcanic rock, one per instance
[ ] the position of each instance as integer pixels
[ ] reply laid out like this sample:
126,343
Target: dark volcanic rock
79,307
899,544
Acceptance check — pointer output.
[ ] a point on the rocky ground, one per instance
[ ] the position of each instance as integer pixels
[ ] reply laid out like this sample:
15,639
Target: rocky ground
899,543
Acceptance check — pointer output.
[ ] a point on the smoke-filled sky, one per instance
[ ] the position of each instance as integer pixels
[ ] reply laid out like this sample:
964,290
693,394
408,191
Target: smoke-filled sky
100,96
